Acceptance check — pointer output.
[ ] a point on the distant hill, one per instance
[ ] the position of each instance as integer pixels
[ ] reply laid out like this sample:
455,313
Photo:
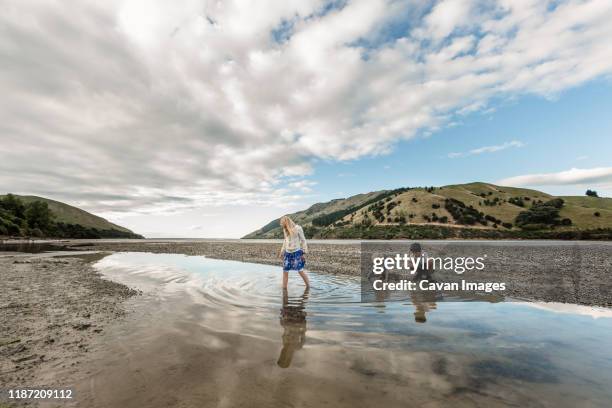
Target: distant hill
66,220
73,215
473,210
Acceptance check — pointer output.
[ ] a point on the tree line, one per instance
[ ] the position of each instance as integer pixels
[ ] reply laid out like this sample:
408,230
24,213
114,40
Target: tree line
35,219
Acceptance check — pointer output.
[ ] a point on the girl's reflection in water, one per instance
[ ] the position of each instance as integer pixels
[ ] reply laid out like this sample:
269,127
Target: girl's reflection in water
293,321
423,303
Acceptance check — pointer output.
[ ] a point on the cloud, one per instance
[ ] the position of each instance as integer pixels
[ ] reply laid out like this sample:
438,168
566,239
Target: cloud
155,106
487,149
304,186
594,176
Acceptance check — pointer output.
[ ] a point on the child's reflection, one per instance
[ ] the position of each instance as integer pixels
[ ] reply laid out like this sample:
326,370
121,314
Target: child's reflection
293,321
424,301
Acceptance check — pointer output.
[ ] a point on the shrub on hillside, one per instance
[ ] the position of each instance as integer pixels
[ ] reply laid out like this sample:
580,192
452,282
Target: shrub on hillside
591,193
329,219
492,203
10,227
492,219
542,215
516,201
555,202
39,216
13,205
462,214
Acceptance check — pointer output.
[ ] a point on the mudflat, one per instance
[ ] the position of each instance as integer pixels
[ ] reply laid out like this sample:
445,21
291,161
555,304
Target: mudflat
51,311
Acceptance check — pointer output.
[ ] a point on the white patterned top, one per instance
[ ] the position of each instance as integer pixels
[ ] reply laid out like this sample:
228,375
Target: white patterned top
296,241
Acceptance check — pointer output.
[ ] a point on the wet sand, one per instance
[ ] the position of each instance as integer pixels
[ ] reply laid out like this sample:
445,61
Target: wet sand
51,312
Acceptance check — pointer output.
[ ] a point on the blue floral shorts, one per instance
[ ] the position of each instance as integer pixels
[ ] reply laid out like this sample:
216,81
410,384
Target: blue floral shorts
294,261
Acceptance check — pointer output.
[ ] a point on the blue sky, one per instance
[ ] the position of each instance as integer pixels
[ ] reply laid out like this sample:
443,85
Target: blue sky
573,129
209,119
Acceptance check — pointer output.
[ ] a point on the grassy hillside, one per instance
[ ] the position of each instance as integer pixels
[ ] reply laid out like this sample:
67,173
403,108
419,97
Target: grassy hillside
484,209
72,215
305,218
589,202
41,217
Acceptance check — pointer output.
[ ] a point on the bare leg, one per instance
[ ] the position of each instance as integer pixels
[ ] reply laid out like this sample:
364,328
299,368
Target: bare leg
285,279
305,278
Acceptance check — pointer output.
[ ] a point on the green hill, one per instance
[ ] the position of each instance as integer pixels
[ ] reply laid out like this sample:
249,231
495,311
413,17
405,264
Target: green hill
473,210
73,215
66,221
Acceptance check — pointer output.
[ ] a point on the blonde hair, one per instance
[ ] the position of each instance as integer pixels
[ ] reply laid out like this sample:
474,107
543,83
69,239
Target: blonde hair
288,225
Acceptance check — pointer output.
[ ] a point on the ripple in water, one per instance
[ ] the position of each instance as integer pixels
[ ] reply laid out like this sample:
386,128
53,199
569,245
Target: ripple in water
232,284
511,341
334,301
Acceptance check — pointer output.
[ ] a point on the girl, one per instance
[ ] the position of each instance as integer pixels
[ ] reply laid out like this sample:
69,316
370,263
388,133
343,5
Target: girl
293,250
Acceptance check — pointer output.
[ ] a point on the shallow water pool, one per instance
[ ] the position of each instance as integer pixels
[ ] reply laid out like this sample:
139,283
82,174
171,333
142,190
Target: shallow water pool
317,346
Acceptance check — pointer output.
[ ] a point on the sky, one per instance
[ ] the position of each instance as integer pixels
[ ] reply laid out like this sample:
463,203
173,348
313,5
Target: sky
209,118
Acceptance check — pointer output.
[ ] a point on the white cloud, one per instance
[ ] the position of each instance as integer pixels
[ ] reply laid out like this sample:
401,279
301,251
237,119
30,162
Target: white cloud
446,16
594,176
155,106
304,186
487,149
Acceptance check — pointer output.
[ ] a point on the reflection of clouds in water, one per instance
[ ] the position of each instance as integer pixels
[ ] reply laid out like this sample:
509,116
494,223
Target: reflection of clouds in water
241,297
151,275
163,272
463,351
568,308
